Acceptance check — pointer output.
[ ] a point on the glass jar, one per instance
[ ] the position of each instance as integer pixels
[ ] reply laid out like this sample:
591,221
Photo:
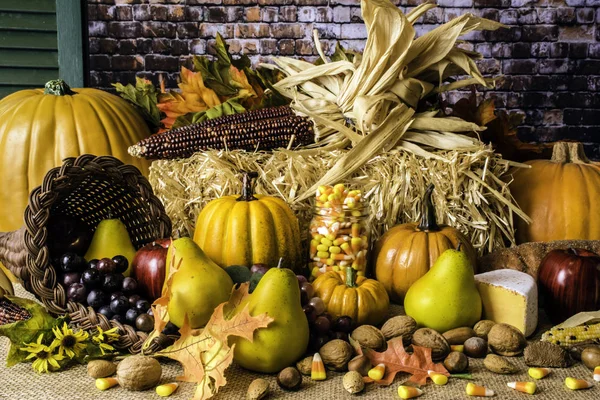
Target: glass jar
339,234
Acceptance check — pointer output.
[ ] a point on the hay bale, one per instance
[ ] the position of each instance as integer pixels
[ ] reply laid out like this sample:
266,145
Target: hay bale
469,193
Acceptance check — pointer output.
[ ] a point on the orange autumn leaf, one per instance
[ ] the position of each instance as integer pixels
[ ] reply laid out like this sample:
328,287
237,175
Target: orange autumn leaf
205,353
396,359
194,97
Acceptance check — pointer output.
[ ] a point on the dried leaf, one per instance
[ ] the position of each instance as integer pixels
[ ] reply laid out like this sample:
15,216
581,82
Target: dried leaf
205,354
396,359
144,98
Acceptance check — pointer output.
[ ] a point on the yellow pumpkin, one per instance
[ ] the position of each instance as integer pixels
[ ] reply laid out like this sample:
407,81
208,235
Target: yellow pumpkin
406,252
41,127
249,229
344,294
559,195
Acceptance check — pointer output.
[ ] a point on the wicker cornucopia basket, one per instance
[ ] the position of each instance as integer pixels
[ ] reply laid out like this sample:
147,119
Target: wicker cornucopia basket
90,189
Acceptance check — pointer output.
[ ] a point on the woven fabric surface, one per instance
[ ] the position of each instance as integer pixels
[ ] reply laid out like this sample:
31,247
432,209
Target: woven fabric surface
21,382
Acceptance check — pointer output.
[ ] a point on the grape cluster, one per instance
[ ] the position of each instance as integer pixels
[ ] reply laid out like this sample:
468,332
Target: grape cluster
101,285
323,327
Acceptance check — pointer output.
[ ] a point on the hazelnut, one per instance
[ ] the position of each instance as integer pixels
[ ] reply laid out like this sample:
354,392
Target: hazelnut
456,362
258,389
476,347
590,357
289,378
305,365
482,328
360,364
101,368
353,382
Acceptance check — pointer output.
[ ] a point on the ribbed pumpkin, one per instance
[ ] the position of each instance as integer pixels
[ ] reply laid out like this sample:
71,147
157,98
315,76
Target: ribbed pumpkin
249,229
559,195
41,127
406,252
345,294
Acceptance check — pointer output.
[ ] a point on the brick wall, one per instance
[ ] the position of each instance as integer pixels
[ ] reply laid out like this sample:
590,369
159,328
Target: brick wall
550,54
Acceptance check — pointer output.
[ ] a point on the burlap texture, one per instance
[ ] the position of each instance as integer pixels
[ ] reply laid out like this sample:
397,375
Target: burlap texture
21,382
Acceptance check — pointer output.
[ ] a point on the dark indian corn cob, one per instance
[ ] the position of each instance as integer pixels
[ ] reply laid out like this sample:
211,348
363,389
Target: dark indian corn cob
10,312
265,129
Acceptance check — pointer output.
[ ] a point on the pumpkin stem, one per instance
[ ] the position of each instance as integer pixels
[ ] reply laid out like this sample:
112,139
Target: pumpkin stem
58,87
569,152
350,277
428,220
248,186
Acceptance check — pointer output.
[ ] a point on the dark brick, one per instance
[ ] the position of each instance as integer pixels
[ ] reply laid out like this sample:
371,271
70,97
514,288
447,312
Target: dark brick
585,15
127,63
161,63
578,83
188,30
565,15
141,12
510,34
560,66
125,29
280,30
491,3
216,14
179,47
176,14
159,12
519,67
123,13
194,13
578,50
144,46
161,46
559,50
587,67
288,14
127,46
94,46
108,46
252,30
268,46
158,29
286,47
540,33
99,62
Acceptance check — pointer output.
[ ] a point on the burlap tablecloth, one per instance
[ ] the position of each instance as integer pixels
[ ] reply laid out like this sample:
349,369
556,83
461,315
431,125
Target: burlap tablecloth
21,382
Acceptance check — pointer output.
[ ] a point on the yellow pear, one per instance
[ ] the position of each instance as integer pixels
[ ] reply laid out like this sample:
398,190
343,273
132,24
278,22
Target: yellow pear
198,286
285,340
445,297
111,239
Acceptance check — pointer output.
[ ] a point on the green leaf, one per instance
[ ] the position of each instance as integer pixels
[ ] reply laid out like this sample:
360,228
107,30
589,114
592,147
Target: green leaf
28,330
15,356
144,98
230,107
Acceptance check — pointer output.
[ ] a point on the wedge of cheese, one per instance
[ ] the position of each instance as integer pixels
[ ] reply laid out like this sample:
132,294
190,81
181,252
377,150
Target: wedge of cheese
509,297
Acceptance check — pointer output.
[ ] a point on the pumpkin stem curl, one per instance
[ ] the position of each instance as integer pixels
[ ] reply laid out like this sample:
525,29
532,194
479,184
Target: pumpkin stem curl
248,186
350,277
569,152
58,87
428,219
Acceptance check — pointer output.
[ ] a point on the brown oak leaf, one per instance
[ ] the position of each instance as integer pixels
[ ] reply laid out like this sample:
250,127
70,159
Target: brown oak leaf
396,359
205,353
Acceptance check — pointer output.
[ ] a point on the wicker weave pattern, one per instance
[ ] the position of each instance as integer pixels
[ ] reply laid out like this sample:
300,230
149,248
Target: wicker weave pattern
90,189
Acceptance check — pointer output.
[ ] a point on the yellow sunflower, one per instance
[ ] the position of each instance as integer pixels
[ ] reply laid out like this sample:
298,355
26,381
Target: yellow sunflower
104,337
68,342
44,355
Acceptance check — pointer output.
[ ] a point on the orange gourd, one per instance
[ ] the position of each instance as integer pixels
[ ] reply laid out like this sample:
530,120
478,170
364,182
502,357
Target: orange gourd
406,252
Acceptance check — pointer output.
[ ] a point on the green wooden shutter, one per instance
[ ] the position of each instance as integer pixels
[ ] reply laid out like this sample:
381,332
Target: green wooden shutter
30,44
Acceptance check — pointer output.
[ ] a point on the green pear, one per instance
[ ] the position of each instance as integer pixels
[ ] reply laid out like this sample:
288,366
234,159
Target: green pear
111,239
285,340
198,286
446,296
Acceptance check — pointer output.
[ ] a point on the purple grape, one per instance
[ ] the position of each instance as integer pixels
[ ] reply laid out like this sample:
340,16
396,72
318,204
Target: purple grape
170,329
144,323
142,305
70,262
93,264
77,292
97,298
321,340
341,335
343,324
106,311
131,315
70,278
150,312
106,266
318,304
113,282
119,305
130,285
114,295
308,288
301,279
91,277
322,324
121,264
303,298
118,318
133,299
310,313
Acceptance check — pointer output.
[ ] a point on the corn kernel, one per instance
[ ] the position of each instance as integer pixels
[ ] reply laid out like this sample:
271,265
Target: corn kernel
315,272
318,237
576,384
106,383
322,247
336,268
458,347
356,228
409,392
167,389
346,248
339,188
476,390
323,254
334,250
597,374
318,369
326,242
330,261
339,241
523,387
356,213
331,238
377,372
356,244
323,198
538,373
437,378
322,189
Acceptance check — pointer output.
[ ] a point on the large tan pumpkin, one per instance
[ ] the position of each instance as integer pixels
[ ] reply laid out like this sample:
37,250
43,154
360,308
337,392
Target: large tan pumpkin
406,252
39,128
249,229
559,195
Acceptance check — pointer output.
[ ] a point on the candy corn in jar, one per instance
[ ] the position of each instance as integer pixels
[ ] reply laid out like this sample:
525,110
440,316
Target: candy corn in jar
339,237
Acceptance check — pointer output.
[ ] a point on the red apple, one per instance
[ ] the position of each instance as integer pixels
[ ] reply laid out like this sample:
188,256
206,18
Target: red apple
569,280
148,268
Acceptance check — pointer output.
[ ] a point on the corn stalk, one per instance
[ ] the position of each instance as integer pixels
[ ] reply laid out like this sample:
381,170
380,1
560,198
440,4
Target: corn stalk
370,102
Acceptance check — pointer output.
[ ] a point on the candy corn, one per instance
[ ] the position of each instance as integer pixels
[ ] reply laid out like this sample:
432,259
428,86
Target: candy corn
318,369
167,389
524,387
106,383
475,390
409,392
437,378
377,372
458,347
597,374
538,373
577,384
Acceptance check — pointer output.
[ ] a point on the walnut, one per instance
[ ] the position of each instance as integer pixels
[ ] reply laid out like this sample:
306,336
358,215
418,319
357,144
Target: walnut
370,337
138,372
402,325
336,354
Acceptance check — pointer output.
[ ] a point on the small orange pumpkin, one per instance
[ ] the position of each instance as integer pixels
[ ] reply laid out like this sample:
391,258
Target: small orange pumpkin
345,294
406,252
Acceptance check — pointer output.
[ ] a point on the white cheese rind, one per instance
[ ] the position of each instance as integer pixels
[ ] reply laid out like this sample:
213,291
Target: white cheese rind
510,297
